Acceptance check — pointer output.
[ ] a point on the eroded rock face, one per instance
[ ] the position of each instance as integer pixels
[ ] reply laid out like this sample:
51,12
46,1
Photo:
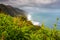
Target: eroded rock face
11,10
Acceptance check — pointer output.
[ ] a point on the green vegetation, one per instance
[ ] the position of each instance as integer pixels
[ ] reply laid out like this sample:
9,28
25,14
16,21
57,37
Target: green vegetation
14,28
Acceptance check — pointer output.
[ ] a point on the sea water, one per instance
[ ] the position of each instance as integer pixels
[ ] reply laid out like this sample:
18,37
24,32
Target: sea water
44,15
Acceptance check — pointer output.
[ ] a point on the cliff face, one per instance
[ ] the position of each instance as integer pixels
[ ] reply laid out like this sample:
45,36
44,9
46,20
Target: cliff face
11,10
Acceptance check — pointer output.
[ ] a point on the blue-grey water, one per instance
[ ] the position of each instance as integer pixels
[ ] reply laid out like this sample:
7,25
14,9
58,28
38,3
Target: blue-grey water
43,15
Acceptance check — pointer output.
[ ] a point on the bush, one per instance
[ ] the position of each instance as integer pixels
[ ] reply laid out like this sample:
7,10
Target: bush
14,28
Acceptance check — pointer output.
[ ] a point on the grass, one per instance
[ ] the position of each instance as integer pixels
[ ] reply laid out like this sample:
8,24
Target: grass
18,28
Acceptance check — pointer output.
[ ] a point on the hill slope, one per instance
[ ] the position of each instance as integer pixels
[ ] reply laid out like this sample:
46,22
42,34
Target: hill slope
11,10
12,28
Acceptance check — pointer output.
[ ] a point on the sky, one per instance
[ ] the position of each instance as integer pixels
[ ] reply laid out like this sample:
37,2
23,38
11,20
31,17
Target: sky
39,3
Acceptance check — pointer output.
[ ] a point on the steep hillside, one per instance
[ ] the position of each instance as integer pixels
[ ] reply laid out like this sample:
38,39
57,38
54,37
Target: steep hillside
11,10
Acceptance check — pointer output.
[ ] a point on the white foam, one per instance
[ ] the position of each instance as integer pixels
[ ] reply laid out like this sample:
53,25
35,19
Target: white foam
30,19
35,23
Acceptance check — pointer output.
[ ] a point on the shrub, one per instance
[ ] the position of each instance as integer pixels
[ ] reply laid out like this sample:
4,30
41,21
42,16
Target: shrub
14,28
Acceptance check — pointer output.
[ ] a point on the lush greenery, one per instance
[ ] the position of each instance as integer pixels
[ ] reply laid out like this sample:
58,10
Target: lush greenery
18,28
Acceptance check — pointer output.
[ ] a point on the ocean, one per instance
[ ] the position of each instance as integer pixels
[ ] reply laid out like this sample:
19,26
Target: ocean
43,15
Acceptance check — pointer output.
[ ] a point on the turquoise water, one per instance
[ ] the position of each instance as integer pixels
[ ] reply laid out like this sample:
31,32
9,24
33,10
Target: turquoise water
47,18
43,15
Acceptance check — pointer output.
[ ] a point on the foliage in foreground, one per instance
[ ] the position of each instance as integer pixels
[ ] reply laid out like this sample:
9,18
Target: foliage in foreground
14,28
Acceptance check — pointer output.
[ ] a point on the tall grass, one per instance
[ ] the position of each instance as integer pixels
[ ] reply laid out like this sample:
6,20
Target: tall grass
14,28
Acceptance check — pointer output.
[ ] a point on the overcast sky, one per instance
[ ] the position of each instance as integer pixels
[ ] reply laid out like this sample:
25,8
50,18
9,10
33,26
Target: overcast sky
41,3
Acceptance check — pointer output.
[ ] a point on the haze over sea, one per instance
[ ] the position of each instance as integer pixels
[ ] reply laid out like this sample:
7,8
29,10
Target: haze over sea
42,15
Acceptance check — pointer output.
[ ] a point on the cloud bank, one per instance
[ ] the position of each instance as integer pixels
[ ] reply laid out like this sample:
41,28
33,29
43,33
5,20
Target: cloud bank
28,2
33,3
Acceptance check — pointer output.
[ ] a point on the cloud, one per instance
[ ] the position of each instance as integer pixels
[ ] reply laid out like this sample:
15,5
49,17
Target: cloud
27,2
34,3
45,1
3,0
